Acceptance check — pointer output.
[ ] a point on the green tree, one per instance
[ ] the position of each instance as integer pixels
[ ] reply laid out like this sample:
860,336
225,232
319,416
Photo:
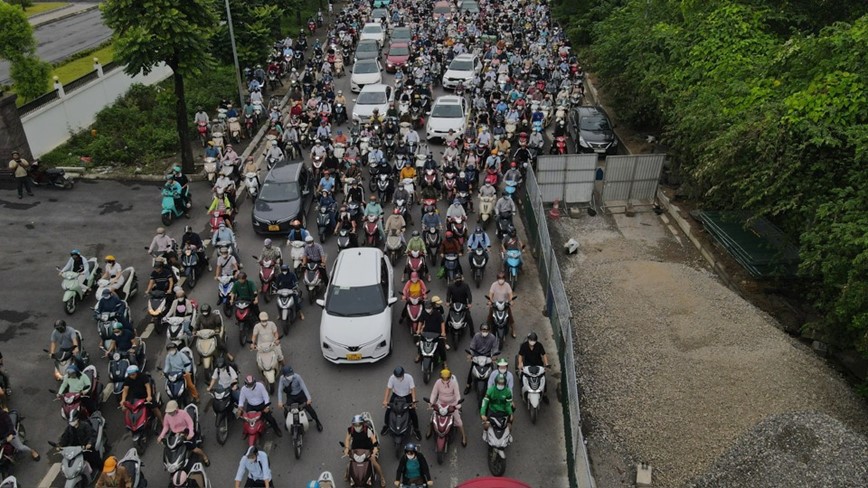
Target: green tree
174,32
17,45
257,25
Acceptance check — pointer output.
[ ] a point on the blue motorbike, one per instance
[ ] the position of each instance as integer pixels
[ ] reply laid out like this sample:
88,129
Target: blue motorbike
512,261
170,212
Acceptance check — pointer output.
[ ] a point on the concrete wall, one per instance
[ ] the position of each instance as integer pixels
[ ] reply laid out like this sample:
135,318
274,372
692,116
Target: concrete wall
12,136
51,125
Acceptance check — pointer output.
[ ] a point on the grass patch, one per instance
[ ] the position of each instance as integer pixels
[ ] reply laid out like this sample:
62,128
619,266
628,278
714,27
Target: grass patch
42,7
76,68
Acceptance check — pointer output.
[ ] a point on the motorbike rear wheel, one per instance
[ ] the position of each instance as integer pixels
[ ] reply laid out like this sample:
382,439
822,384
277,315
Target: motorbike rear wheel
441,455
222,429
69,306
167,218
477,277
496,464
513,280
296,441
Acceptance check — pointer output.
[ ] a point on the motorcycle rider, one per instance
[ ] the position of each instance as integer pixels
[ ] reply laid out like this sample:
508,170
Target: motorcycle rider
447,392
401,385
359,436
502,368
326,200
254,397
432,321
224,237
75,382
114,273
264,334
161,279
79,264
297,232
451,245
512,242
63,339
513,174
356,193
161,244
181,179
124,341
210,320
395,225
137,386
270,252
227,265
256,466
479,239
109,302
223,201
431,219
483,344
226,375
10,435
413,468
81,433
292,385
340,98
532,353
504,204
274,152
313,252
497,401
179,422
413,288
178,362
287,279
182,307
194,241
113,475
416,243
456,210
244,289
459,292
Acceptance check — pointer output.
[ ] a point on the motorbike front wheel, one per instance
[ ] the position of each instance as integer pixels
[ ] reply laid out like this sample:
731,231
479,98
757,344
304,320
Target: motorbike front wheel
496,463
533,413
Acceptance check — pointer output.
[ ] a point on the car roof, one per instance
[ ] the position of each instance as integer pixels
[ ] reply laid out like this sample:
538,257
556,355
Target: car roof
284,171
465,57
587,110
442,3
373,24
399,44
374,87
448,100
359,266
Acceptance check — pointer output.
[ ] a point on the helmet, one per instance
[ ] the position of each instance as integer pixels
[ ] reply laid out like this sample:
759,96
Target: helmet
502,362
59,324
117,326
456,202
397,211
132,369
340,92
161,230
296,222
172,406
205,309
75,251
187,228
415,233
109,258
500,380
111,462
284,268
263,316
513,164
399,372
449,234
358,419
428,304
72,369
410,447
171,345
286,370
511,232
313,484
73,416
445,374
266,242
494,152
309,238
532,336
248,380
484,327
176,168
478,229
221,362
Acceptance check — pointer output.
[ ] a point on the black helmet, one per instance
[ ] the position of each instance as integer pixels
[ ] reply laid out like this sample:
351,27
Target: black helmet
286,370
171,345
206,309
415,233
60,324
410,447
532,336
399,372
221,362
284,268
511,232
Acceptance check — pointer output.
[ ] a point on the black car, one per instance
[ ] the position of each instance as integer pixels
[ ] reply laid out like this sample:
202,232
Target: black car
284,196
592,131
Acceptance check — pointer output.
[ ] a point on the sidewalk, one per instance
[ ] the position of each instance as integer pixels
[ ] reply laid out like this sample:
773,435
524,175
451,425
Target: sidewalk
74,8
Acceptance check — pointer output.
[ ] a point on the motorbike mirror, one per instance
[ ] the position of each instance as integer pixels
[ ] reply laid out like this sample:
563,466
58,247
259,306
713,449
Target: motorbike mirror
341,443
255,257
320,302
393,300
461,401
52,443
52,391
427,400
468,351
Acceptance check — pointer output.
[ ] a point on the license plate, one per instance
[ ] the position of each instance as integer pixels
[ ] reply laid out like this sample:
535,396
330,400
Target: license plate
599,151
354,357
273,228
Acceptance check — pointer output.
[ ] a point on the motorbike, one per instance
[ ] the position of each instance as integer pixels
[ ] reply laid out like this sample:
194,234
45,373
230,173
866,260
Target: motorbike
459,228
432,241
118,364
415,263
176,455
486,208
533,384
452,266
286,301
193,266
266,277
75,469
175,328
500,319
361,471
210,169
504,225
313,281
251,181
169,211
157,308
73,289
559,146
457,321
345,240
384,186
325,480
297,424
340,114
372,231
254,426
324,222
429,343
133,464
206,346
235,130
245,320
296,254
478,260
498,437
400,427
224,288
104,326
8,454
139,420
413,312
394,246
266,359
482,367
176,386
410,188
72,401
55,177
224,408
512,262
64,358
442,423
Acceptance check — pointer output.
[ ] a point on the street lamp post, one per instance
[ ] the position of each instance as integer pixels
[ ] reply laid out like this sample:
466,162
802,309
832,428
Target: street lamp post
235,56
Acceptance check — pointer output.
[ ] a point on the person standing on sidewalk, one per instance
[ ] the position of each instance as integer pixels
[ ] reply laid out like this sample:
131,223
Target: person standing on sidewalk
20,167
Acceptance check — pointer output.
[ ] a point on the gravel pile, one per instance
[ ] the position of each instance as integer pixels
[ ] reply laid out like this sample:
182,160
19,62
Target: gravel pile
674,366
797,449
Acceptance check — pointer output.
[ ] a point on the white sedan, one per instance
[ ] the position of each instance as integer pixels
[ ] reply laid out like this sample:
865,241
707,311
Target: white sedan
365,72
372,97
373,31
448,112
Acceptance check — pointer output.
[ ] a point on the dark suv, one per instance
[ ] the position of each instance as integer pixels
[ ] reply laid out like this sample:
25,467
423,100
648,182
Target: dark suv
284,196
592,131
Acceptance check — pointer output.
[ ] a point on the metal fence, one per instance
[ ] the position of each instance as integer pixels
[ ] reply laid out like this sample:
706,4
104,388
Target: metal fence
568,178
560,316
81,81
632,179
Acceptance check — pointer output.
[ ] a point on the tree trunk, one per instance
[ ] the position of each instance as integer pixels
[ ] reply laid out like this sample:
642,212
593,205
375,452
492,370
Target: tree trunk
181,120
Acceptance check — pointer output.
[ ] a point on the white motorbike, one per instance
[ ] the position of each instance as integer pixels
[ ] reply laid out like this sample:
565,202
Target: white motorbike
76,287
498,437
206,346
75,469
410,187
133,464
266,359
126,291
296,253
297,424
486,209
251,181
533,384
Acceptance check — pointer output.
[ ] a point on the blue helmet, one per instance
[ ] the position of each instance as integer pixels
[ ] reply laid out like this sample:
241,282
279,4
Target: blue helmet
132,369
313,484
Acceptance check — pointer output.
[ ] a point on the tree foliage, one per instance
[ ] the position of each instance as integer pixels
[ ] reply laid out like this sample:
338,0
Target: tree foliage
17,45
175,32
257,25
764,107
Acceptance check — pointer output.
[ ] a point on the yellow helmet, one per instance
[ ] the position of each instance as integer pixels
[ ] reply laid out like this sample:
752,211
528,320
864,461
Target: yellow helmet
109,258
445,374
494,152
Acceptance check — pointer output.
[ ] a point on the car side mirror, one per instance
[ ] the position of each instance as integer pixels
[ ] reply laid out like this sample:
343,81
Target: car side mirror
321,302
393,300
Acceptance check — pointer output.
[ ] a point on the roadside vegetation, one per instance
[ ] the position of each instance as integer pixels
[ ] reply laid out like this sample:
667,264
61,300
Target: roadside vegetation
763,106
42,7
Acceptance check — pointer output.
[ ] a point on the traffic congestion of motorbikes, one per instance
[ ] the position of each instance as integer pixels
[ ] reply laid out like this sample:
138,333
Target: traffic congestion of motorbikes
371,180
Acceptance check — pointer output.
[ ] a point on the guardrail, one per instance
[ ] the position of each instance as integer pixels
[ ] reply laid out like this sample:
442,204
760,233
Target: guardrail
559,314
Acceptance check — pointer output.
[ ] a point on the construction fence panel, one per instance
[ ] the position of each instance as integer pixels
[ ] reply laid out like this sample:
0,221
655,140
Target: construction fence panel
632,178
568,178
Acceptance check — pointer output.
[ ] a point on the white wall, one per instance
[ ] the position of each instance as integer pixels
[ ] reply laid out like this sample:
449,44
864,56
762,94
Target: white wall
51,125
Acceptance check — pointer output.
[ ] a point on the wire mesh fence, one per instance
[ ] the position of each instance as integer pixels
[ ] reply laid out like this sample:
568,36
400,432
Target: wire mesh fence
560,316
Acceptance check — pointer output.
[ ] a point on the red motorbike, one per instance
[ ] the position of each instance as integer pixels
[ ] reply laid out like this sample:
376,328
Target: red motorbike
138,420
254,426
442,423
560,145
491,176
266,277
311,26
416,263
459,228
202,129
414,311
372,231
216,217
245,320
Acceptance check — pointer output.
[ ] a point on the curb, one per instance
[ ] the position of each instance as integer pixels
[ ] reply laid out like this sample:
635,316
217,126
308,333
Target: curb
35,22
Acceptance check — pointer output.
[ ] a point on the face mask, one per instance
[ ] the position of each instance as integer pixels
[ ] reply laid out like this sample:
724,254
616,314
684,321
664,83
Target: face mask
111,475
411,455
500,387
485,334
357,428
502,370
531,343
429,310
501,281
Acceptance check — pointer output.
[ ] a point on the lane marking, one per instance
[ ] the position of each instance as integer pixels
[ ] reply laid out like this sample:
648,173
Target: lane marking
49,477
148,331
107,391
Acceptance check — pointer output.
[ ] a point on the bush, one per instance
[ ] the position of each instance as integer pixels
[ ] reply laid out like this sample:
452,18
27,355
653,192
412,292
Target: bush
21,3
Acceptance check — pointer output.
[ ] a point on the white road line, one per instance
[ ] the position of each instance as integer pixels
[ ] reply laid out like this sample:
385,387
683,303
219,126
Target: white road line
53,471
148,331
107,391
453,464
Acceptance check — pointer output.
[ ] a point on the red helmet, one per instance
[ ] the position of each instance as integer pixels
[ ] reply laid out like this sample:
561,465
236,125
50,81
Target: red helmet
513,164
449,234
397,211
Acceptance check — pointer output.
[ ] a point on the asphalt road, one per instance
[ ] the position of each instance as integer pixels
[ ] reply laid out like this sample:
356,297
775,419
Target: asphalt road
59,40
119,218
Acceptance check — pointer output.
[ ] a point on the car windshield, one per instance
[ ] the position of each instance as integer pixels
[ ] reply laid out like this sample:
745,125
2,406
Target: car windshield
373,29
371,98
367,47
442,9
379,13
401,33
356,301
273,191
399,51
461,65
447,111
595,123
364,68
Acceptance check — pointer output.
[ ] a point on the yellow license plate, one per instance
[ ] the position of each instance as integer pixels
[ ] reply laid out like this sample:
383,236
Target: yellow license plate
273,228
354,357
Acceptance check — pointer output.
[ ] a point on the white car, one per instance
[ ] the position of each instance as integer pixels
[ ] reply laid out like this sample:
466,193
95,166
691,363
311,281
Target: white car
365,72
448,112
463,68
372,97
375,31
356,325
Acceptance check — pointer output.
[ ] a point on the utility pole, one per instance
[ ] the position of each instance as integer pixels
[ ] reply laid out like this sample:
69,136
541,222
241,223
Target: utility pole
235,56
